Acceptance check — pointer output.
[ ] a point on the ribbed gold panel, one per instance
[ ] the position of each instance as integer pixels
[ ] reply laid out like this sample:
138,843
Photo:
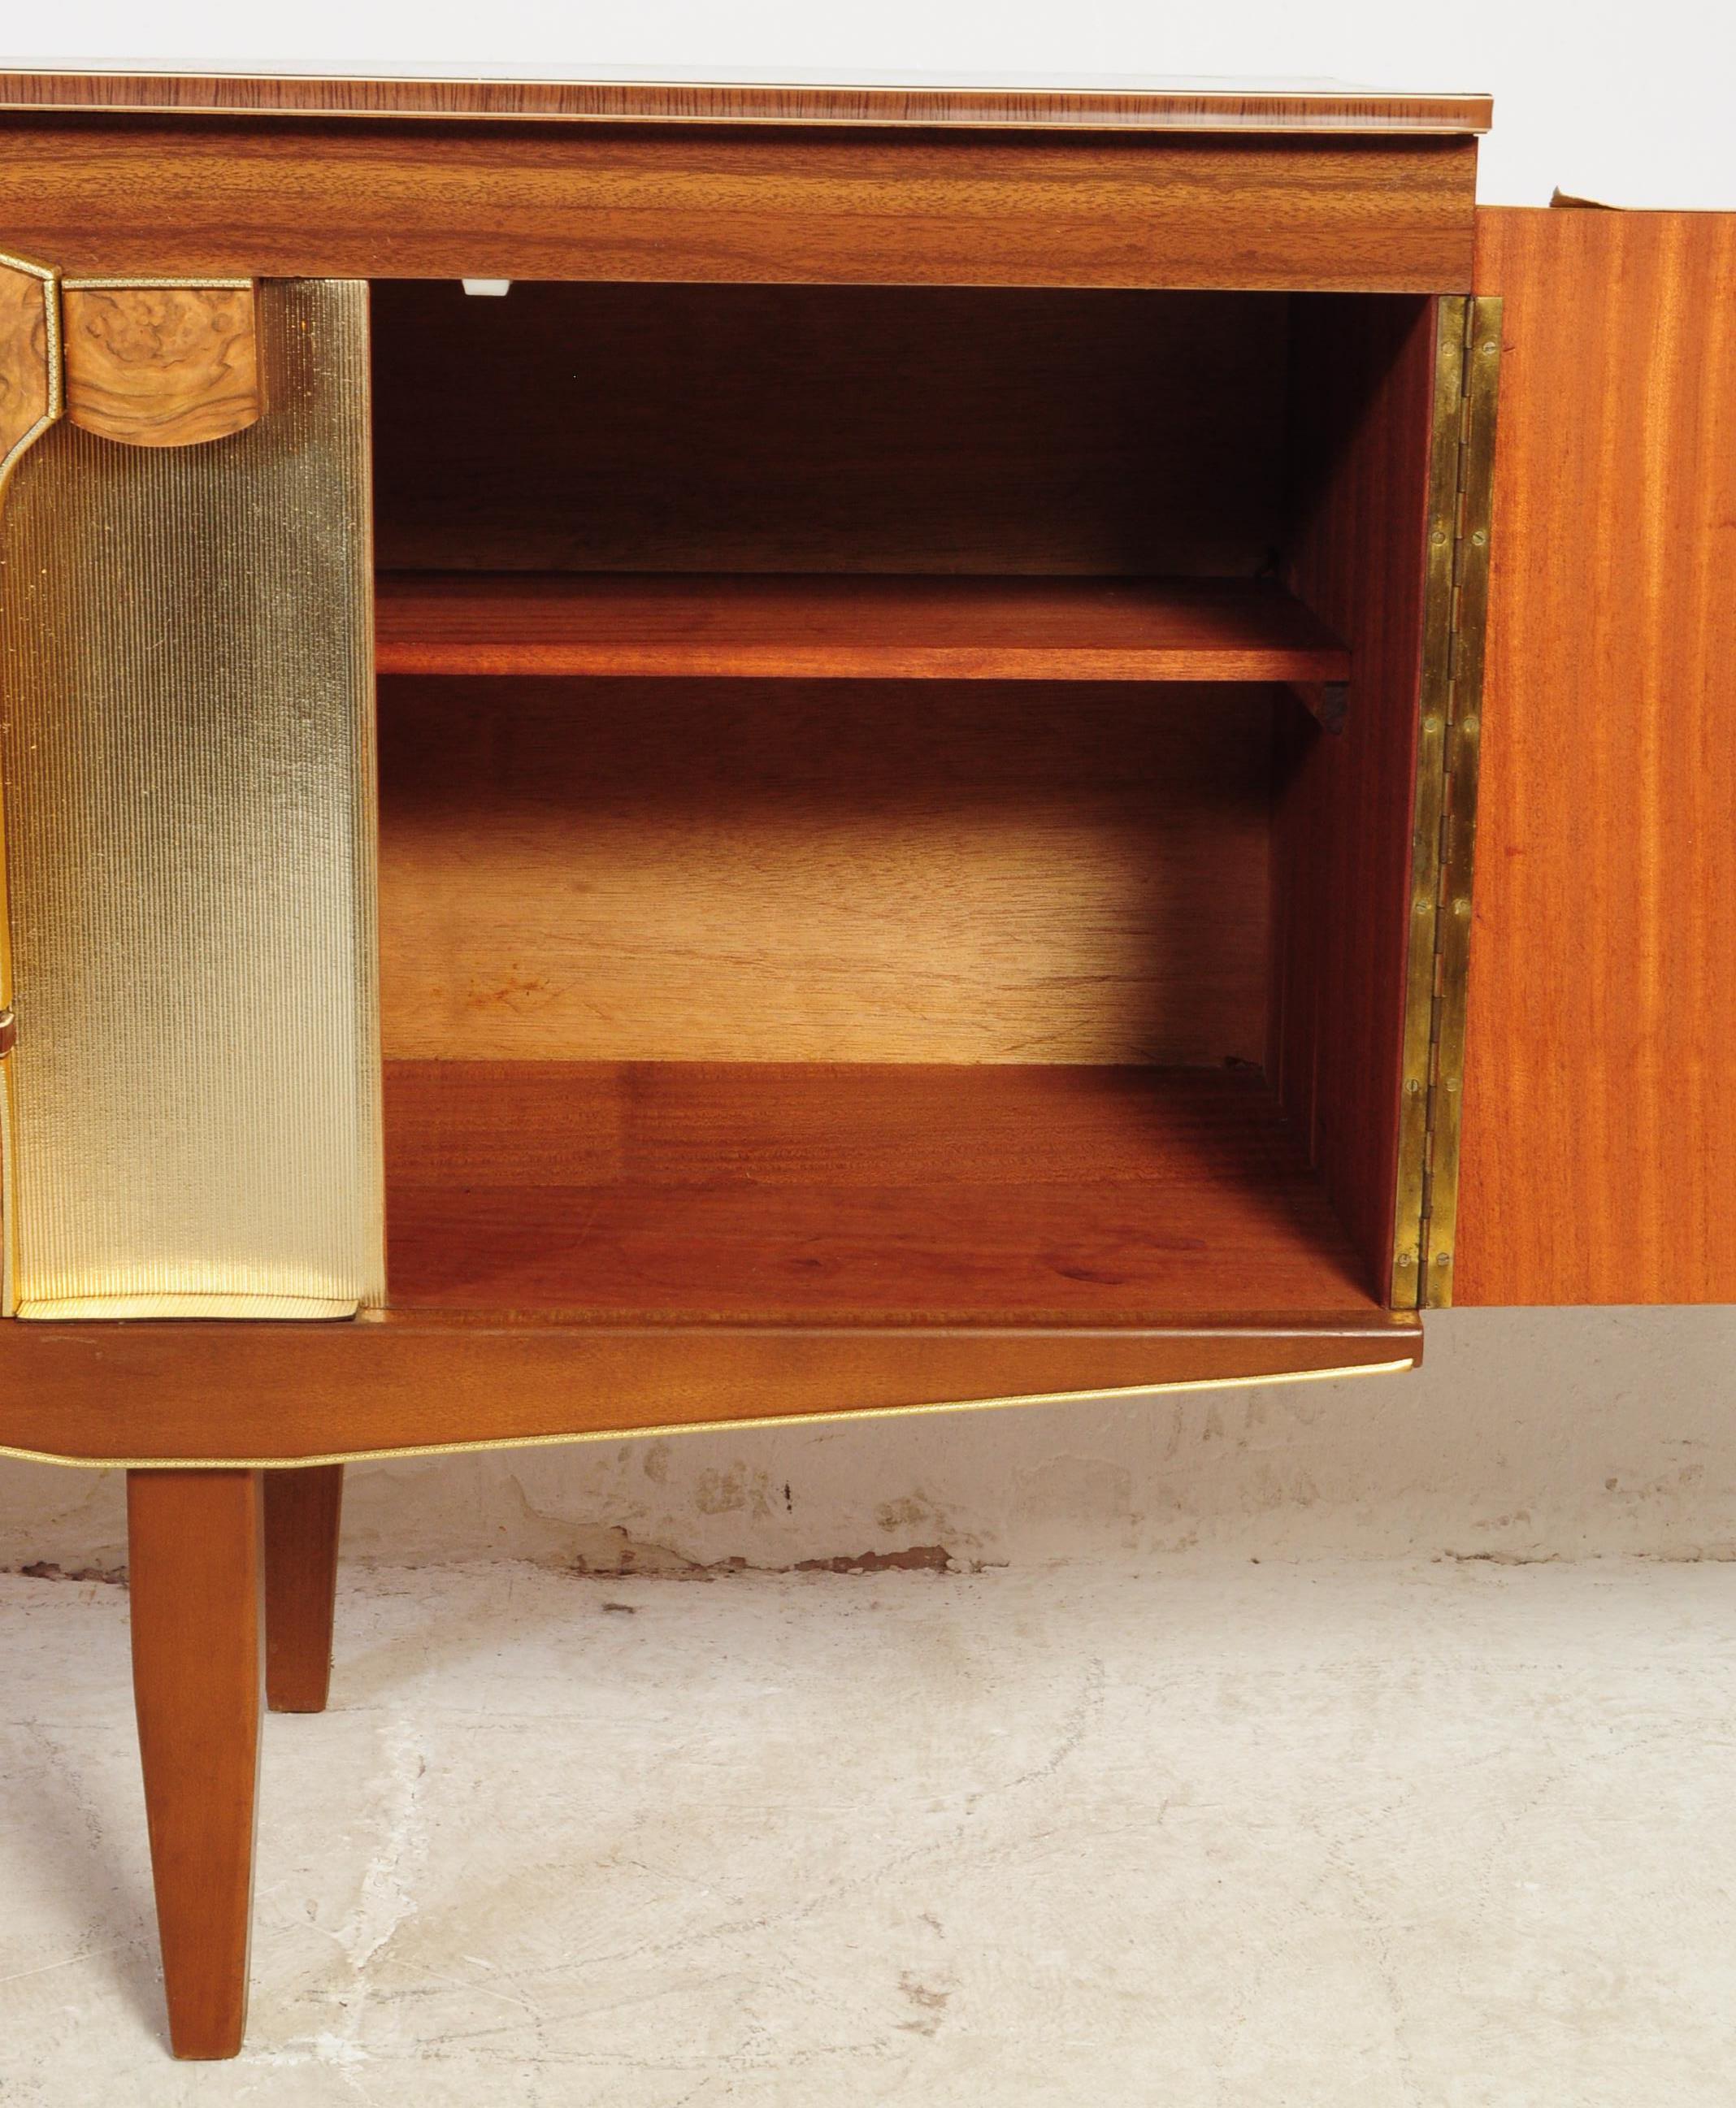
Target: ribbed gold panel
186,753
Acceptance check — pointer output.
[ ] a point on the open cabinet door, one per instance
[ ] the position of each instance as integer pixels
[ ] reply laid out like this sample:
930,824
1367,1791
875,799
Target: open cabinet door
1599,1136
191,1081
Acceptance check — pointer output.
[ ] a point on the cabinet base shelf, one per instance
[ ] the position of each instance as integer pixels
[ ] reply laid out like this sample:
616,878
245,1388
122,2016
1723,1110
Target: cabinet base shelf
850,1193
582,1250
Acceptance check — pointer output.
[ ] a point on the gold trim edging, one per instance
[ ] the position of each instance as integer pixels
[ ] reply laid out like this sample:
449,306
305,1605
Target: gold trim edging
133,1309
136,285
695,1426
55,394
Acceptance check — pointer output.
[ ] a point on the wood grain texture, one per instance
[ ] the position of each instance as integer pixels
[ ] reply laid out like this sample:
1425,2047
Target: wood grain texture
832,428
317,1391
1364,390
26,380
1599,1159
193,1572
1112,102
877,871
304,1511
852,627
833,1194
279,198
161,365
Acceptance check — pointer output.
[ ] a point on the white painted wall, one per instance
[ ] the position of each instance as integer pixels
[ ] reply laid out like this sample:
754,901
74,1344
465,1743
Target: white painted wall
1530,1434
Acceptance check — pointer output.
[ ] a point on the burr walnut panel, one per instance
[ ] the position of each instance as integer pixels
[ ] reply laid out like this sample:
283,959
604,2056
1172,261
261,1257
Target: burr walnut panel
161,365
28,393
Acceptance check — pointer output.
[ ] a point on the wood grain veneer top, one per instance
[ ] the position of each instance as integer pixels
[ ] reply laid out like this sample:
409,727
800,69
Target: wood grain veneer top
1131,102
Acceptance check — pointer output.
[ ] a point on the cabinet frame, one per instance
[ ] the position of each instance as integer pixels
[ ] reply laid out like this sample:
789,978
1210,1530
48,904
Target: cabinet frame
337,1396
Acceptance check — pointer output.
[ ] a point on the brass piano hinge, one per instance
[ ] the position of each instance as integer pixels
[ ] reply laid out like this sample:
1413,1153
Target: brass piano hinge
1456,604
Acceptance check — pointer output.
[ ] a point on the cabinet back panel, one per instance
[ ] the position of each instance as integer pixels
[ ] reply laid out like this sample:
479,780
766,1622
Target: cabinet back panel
765,428
824,871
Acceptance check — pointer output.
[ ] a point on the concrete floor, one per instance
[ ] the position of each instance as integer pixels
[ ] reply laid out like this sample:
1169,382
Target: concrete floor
1251,1836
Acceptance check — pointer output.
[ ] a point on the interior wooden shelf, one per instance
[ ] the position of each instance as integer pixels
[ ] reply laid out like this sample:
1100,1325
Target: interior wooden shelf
851,626
827,1193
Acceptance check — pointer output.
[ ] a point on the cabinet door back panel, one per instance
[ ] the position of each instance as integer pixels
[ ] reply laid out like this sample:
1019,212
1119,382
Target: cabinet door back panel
1599,1148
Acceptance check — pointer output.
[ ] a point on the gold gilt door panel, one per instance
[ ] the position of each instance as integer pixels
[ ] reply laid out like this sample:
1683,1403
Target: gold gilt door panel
189,1012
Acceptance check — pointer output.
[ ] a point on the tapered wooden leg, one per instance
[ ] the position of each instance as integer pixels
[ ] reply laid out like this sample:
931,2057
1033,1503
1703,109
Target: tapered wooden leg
302,1513
194,1569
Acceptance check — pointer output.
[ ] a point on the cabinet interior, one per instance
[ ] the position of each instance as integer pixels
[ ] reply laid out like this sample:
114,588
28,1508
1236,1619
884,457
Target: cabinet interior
859,842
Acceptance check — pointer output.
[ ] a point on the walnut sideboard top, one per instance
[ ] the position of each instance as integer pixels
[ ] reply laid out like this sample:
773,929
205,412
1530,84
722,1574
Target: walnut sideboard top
1115,184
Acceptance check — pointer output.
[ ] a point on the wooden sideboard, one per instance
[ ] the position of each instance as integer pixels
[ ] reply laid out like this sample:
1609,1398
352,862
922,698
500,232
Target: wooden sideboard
914,843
